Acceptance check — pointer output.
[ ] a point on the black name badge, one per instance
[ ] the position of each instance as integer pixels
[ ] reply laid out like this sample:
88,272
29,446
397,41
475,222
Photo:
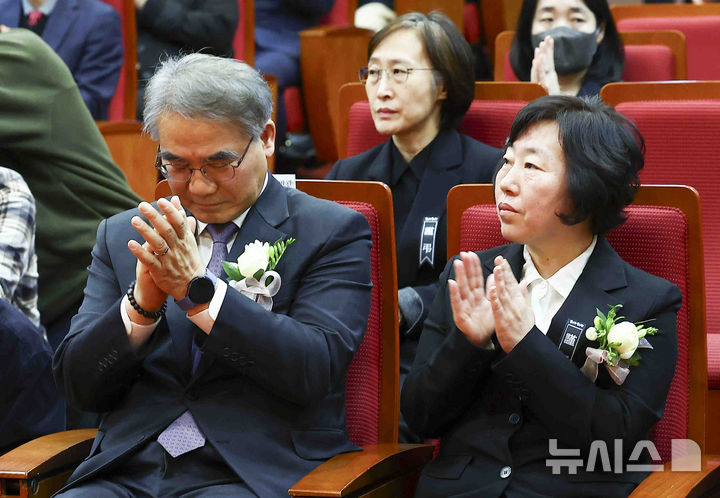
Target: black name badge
427,240
571,337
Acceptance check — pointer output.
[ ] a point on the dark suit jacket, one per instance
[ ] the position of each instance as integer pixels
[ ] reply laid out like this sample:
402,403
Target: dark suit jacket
87,36
455,159
30,404
493,409
269,392
171,27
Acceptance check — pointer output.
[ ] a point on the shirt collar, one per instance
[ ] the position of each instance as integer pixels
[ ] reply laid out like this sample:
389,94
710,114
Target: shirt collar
417,164
564,279
240,218
45,8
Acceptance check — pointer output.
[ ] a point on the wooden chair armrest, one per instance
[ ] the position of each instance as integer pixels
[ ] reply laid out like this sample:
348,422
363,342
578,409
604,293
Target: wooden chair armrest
376,464
47,454
705,482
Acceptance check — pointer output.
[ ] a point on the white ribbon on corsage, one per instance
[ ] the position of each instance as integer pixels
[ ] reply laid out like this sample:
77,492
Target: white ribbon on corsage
259,291
618,373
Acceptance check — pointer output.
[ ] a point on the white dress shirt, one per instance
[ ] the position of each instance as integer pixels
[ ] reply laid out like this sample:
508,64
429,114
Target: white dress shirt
547,296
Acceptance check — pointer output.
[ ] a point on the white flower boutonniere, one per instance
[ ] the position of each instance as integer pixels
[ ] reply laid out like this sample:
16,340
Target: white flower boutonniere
253,275
618,343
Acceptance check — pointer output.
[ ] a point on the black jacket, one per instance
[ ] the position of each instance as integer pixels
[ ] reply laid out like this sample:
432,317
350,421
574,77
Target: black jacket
498,411
455,159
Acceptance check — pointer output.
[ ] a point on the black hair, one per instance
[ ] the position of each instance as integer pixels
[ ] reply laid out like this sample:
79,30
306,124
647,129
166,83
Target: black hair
449,54
608,63
603,153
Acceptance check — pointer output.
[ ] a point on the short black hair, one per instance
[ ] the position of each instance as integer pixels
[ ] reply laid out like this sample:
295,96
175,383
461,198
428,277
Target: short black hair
603,153
449,54
608,63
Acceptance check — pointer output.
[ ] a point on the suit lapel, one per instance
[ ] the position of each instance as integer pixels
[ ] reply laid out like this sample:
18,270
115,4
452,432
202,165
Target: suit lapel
603,273
60,23
269,211
380,169
430,201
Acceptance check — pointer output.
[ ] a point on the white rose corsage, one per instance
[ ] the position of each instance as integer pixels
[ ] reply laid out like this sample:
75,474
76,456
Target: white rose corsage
618,343
253,274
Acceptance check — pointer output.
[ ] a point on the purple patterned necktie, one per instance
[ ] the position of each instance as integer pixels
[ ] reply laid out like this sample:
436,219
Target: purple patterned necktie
221,233
183,434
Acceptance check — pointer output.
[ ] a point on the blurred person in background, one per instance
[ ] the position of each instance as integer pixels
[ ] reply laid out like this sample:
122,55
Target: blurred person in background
86,34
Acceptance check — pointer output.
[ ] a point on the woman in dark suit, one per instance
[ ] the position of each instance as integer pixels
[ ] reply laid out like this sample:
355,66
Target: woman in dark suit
501,373
419,82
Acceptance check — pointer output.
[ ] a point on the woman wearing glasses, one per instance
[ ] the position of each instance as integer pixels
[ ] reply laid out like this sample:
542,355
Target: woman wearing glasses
419,83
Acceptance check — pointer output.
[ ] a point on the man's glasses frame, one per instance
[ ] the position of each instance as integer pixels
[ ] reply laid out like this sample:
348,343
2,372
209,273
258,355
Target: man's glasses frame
163,168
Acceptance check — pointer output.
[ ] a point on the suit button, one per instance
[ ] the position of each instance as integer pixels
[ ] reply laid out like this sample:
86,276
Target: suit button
191,395
514,419
505,472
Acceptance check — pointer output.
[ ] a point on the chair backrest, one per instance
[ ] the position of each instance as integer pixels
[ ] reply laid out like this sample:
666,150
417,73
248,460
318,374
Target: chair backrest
699,23
372,388
680,122
341,14
454,9
488,119
662,236
323,73
134,152
244,40
373,382
649,56
123,105
498,16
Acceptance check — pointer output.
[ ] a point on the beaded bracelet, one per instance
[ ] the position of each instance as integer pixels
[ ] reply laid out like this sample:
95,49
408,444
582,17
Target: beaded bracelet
149,314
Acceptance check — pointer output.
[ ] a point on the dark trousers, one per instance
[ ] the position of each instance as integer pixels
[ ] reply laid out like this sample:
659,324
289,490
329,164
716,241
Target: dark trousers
152,472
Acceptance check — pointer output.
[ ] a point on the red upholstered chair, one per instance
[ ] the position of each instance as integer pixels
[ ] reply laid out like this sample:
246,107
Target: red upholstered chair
649,56
699,23
123,104
488,119
661,236
681,125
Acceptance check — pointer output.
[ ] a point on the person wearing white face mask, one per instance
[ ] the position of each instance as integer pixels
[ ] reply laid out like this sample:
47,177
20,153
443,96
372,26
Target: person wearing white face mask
570,47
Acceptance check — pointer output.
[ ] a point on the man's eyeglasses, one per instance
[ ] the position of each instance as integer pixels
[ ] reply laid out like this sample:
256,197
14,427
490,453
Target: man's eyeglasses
371,75
217,173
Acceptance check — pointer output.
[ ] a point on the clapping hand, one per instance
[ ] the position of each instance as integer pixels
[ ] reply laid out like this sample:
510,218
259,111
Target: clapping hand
169,258
511,308
471,309
543,67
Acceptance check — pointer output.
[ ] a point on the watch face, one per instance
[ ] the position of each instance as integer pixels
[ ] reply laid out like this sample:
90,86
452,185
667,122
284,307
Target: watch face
201,290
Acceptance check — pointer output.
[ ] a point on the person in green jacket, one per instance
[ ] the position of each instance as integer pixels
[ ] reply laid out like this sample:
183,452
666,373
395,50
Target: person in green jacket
49,137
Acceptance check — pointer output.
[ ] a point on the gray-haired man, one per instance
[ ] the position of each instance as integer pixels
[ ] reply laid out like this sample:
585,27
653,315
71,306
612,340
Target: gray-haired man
204,390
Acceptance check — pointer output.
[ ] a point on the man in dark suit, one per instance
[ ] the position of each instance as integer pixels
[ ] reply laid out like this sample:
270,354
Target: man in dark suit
258,393
87,36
